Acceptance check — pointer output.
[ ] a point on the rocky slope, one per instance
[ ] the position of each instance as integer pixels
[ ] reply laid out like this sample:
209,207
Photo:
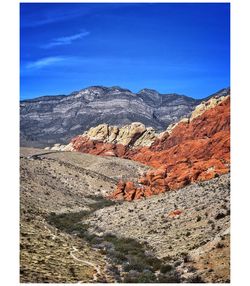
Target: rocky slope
69,233
64,183
191,226
194,149
56,119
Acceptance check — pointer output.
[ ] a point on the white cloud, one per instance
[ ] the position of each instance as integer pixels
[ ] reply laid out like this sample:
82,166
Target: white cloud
65,40
45,62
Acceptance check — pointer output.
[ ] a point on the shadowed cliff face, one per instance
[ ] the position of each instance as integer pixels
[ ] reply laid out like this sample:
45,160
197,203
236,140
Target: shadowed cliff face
56,119
195,149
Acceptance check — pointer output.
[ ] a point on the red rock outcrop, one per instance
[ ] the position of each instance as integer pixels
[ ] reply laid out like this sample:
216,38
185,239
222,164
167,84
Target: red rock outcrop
195,149
175,213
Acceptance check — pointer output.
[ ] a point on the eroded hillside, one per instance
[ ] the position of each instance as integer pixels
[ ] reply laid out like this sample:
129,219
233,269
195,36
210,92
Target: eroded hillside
71,233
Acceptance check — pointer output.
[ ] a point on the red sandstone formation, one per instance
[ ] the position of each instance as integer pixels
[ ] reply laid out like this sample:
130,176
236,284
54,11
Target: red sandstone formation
195,150
95,147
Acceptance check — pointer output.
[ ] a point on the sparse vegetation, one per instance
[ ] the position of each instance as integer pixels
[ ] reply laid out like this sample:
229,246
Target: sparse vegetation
125,251
130,249
166,268
67,222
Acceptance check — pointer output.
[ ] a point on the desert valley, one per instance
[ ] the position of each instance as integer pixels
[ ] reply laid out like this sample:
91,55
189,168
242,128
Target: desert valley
123,187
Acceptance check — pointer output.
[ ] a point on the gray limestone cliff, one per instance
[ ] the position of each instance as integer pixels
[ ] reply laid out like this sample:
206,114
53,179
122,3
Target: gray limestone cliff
56,119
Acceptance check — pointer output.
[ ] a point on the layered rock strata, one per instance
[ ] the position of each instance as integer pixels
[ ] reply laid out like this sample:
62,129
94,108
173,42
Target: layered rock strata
48,120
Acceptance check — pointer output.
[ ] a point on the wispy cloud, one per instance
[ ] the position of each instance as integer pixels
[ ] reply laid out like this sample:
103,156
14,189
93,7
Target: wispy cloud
40,14
65,40
45,62
36,15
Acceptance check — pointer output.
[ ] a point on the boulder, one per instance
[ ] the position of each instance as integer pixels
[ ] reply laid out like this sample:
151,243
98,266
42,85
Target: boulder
128,134
147,138
99,132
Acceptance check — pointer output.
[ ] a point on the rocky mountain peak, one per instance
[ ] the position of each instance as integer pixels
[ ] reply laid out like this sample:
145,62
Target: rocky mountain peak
148,91
119,89
92,92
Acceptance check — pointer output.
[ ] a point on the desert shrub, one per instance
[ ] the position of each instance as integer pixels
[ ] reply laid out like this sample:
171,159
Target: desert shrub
135,277
186,257
172,277
177,263
195,279
89,237
220,215
146,277
166,268
125,245
119,256
138,266
198,218
98,239
154,262
72,271
220,245
131,277
103,251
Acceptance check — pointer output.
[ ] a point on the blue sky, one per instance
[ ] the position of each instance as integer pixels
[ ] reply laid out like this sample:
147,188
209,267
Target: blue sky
182,48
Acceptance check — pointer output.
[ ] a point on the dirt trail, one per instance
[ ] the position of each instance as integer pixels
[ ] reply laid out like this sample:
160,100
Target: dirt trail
96,267
74,250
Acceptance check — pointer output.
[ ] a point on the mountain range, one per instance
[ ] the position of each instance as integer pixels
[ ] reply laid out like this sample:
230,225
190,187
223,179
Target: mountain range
56,119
